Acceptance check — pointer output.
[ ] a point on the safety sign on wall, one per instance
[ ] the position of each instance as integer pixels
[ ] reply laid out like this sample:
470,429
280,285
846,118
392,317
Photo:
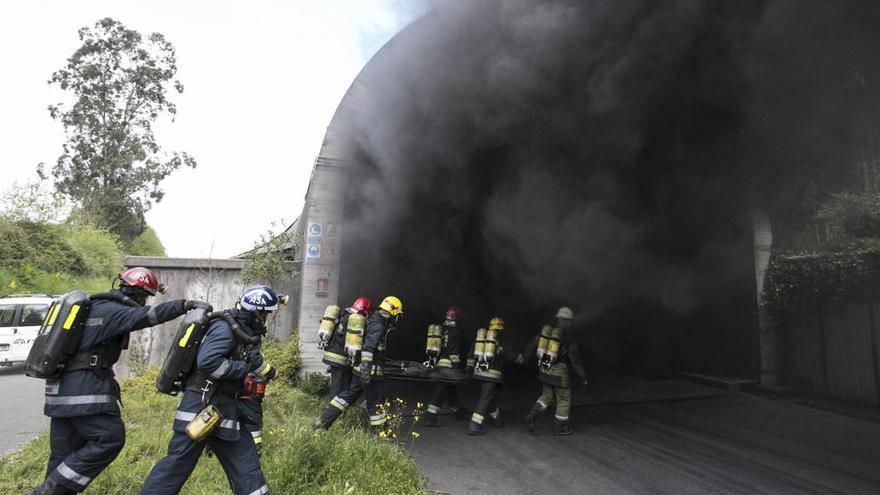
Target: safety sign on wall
313,253
314,232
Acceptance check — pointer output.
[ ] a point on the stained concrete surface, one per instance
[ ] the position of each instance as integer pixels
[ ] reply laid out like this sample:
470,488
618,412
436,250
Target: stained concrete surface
21,408
703,441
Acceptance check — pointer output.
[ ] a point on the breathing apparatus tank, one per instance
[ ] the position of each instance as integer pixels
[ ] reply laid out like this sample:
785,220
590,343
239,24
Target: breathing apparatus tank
543,342
491,347
480,347
433,345
354,335
181,356
328,325
58,336
554,343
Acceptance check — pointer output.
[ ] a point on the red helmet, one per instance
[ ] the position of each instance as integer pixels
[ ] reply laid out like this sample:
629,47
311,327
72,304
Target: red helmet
362,305
453,313
144,278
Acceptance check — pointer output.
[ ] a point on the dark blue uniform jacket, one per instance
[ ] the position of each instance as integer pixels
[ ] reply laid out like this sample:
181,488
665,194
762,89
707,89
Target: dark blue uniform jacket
85,392
221,359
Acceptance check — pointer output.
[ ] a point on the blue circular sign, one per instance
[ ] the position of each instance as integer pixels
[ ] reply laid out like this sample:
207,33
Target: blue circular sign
315,229
314,250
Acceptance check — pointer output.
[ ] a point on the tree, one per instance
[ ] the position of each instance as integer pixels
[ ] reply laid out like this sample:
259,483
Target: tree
147,244
111,165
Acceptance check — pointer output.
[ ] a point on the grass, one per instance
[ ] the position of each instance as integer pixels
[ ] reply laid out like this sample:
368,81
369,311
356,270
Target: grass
29,280
344,460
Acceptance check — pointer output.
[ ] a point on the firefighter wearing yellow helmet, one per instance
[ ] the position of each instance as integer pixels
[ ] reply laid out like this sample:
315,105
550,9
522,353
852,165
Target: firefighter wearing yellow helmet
487,362
555,352
369,375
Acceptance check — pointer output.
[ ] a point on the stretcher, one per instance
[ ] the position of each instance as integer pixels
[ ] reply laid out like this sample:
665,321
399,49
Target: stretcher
413,371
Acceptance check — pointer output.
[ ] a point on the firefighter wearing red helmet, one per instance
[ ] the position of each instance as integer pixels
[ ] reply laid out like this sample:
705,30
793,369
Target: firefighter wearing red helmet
338,361
448,358
86,432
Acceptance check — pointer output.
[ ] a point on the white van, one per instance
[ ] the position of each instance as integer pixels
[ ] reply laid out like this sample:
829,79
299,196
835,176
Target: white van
20,320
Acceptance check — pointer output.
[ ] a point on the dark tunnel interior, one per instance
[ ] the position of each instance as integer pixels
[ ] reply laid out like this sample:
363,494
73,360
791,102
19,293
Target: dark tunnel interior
514,157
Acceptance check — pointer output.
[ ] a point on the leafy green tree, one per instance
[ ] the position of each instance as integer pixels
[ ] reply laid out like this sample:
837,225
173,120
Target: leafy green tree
147,244
269,262
111,165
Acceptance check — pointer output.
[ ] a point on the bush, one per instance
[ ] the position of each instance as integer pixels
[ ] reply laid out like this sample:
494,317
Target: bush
147,244
285,358
99,250
294,459
316,385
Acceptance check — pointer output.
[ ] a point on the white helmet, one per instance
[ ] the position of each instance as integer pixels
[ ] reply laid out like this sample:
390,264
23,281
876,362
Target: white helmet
565,312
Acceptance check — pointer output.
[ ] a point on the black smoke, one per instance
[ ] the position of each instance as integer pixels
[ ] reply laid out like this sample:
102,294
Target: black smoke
514,156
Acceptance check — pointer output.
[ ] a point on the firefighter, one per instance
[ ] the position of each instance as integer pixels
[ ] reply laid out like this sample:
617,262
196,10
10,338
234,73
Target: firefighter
487,362
338,361
448,357
223,362
557,353
86,432
369,375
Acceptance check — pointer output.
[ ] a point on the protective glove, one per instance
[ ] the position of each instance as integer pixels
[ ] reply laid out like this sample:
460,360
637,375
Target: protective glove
366,372
191,304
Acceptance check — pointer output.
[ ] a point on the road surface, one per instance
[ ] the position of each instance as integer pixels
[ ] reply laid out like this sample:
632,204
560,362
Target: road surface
21,408
726,444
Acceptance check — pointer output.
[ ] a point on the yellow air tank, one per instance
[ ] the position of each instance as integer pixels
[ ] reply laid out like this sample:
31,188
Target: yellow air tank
544,341
553,346
491,345
434,342
354,336
480,345
328,325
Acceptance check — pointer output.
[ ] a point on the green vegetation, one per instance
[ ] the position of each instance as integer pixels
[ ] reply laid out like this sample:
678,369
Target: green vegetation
147,244
56,258
344,460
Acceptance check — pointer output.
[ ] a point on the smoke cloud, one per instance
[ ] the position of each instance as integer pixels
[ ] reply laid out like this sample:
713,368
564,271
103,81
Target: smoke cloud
514,156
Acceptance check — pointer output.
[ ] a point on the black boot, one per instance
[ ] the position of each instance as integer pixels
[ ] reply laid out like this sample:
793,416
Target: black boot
50,487
475,429
562,428
431,420
498,421
532,416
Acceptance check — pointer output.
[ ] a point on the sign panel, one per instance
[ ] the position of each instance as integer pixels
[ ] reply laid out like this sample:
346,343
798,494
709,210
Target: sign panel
313,253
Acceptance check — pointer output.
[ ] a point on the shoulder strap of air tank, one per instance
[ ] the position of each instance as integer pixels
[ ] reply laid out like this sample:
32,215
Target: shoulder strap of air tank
94,359
116,297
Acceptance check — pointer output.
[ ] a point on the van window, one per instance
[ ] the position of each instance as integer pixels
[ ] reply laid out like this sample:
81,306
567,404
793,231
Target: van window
7,312
32,315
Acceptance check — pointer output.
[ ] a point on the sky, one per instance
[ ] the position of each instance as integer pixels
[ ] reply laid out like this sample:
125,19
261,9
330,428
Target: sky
262,79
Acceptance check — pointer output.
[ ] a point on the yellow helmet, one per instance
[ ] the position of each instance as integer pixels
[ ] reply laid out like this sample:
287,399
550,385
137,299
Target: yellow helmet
392,305
496,324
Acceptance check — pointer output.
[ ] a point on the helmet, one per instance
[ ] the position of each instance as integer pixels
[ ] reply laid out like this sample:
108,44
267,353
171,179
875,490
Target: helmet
565,312
260,298
142,277
496,324
392,305
362,305
453,313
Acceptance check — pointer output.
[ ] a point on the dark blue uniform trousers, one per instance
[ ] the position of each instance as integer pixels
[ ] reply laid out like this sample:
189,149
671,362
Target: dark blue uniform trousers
239,459
82,446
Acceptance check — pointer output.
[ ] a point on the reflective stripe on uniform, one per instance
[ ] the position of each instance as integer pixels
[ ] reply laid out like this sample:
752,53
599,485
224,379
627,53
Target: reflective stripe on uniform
490,373
444,363
335,358
260,491
94,322
477,418
432,409
265,369
151,314
454,358
70,474
541,404
377,420
495,413
258,437
366,357
229,424
76,400
339,403
561,418
222,369
184,416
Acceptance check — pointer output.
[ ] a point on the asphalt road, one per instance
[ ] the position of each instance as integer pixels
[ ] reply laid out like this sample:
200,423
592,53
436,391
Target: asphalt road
21,408
729,444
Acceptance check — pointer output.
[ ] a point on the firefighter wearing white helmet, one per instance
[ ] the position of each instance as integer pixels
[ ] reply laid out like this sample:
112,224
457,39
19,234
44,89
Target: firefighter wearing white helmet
555,352
369,371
